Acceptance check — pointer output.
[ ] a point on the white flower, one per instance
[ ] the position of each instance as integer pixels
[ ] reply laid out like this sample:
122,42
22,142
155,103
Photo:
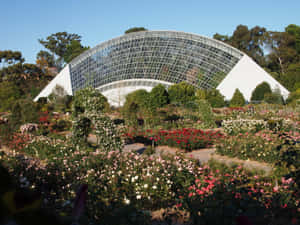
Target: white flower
145,185
138,197
154,187
127,201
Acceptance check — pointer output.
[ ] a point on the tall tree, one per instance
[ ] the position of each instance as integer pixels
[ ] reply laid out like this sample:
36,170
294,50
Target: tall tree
46,57
9,57
73,50
249,41
57,44
237,99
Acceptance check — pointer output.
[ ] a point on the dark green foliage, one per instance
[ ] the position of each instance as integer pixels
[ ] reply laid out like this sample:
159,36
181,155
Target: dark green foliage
9,93
260,91
159,96
206,115
9,57
74,49
274,98
140,97
44,55
80,130
283,55
61,125
140,102
237,99
213,97
57,43
250,41
81,104
23,111
181,93
16,114
129,111
293,97
135,29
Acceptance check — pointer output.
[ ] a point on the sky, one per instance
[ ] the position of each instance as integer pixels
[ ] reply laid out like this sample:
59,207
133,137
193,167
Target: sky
23,22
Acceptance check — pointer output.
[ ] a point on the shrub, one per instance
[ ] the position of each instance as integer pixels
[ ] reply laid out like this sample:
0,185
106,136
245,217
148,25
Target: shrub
273,98
213,96
237,99
81,129
9,93
181,93
260,91
159,96
129,112
294,97
89,99
243,125
259,146
206,115
89,106
24,111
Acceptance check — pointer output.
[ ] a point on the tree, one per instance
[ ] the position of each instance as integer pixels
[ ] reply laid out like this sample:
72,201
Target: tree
274,97
260,91
213,97
57,44
74,49
9,93
181,93
159,96
47,57
237,99
294,30
9,57
89,99
135,29
249,41
291,79
293,97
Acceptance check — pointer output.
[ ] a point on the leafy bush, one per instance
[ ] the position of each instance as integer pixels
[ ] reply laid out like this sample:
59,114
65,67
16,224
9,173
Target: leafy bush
81,129
274,97
213,96
89,99
237,99
206,115
9,93
260,91
280,148
159,96
181,93
259,146
89,106
24,111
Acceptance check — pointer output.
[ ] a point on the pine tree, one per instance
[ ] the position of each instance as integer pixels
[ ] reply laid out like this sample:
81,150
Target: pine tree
237,99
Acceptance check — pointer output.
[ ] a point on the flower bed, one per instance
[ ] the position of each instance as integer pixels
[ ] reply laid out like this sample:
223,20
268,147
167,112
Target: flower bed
187,138
243,125
262,146
117,180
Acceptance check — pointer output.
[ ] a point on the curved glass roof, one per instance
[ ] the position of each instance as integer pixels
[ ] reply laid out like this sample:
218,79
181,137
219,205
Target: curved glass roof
167,56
